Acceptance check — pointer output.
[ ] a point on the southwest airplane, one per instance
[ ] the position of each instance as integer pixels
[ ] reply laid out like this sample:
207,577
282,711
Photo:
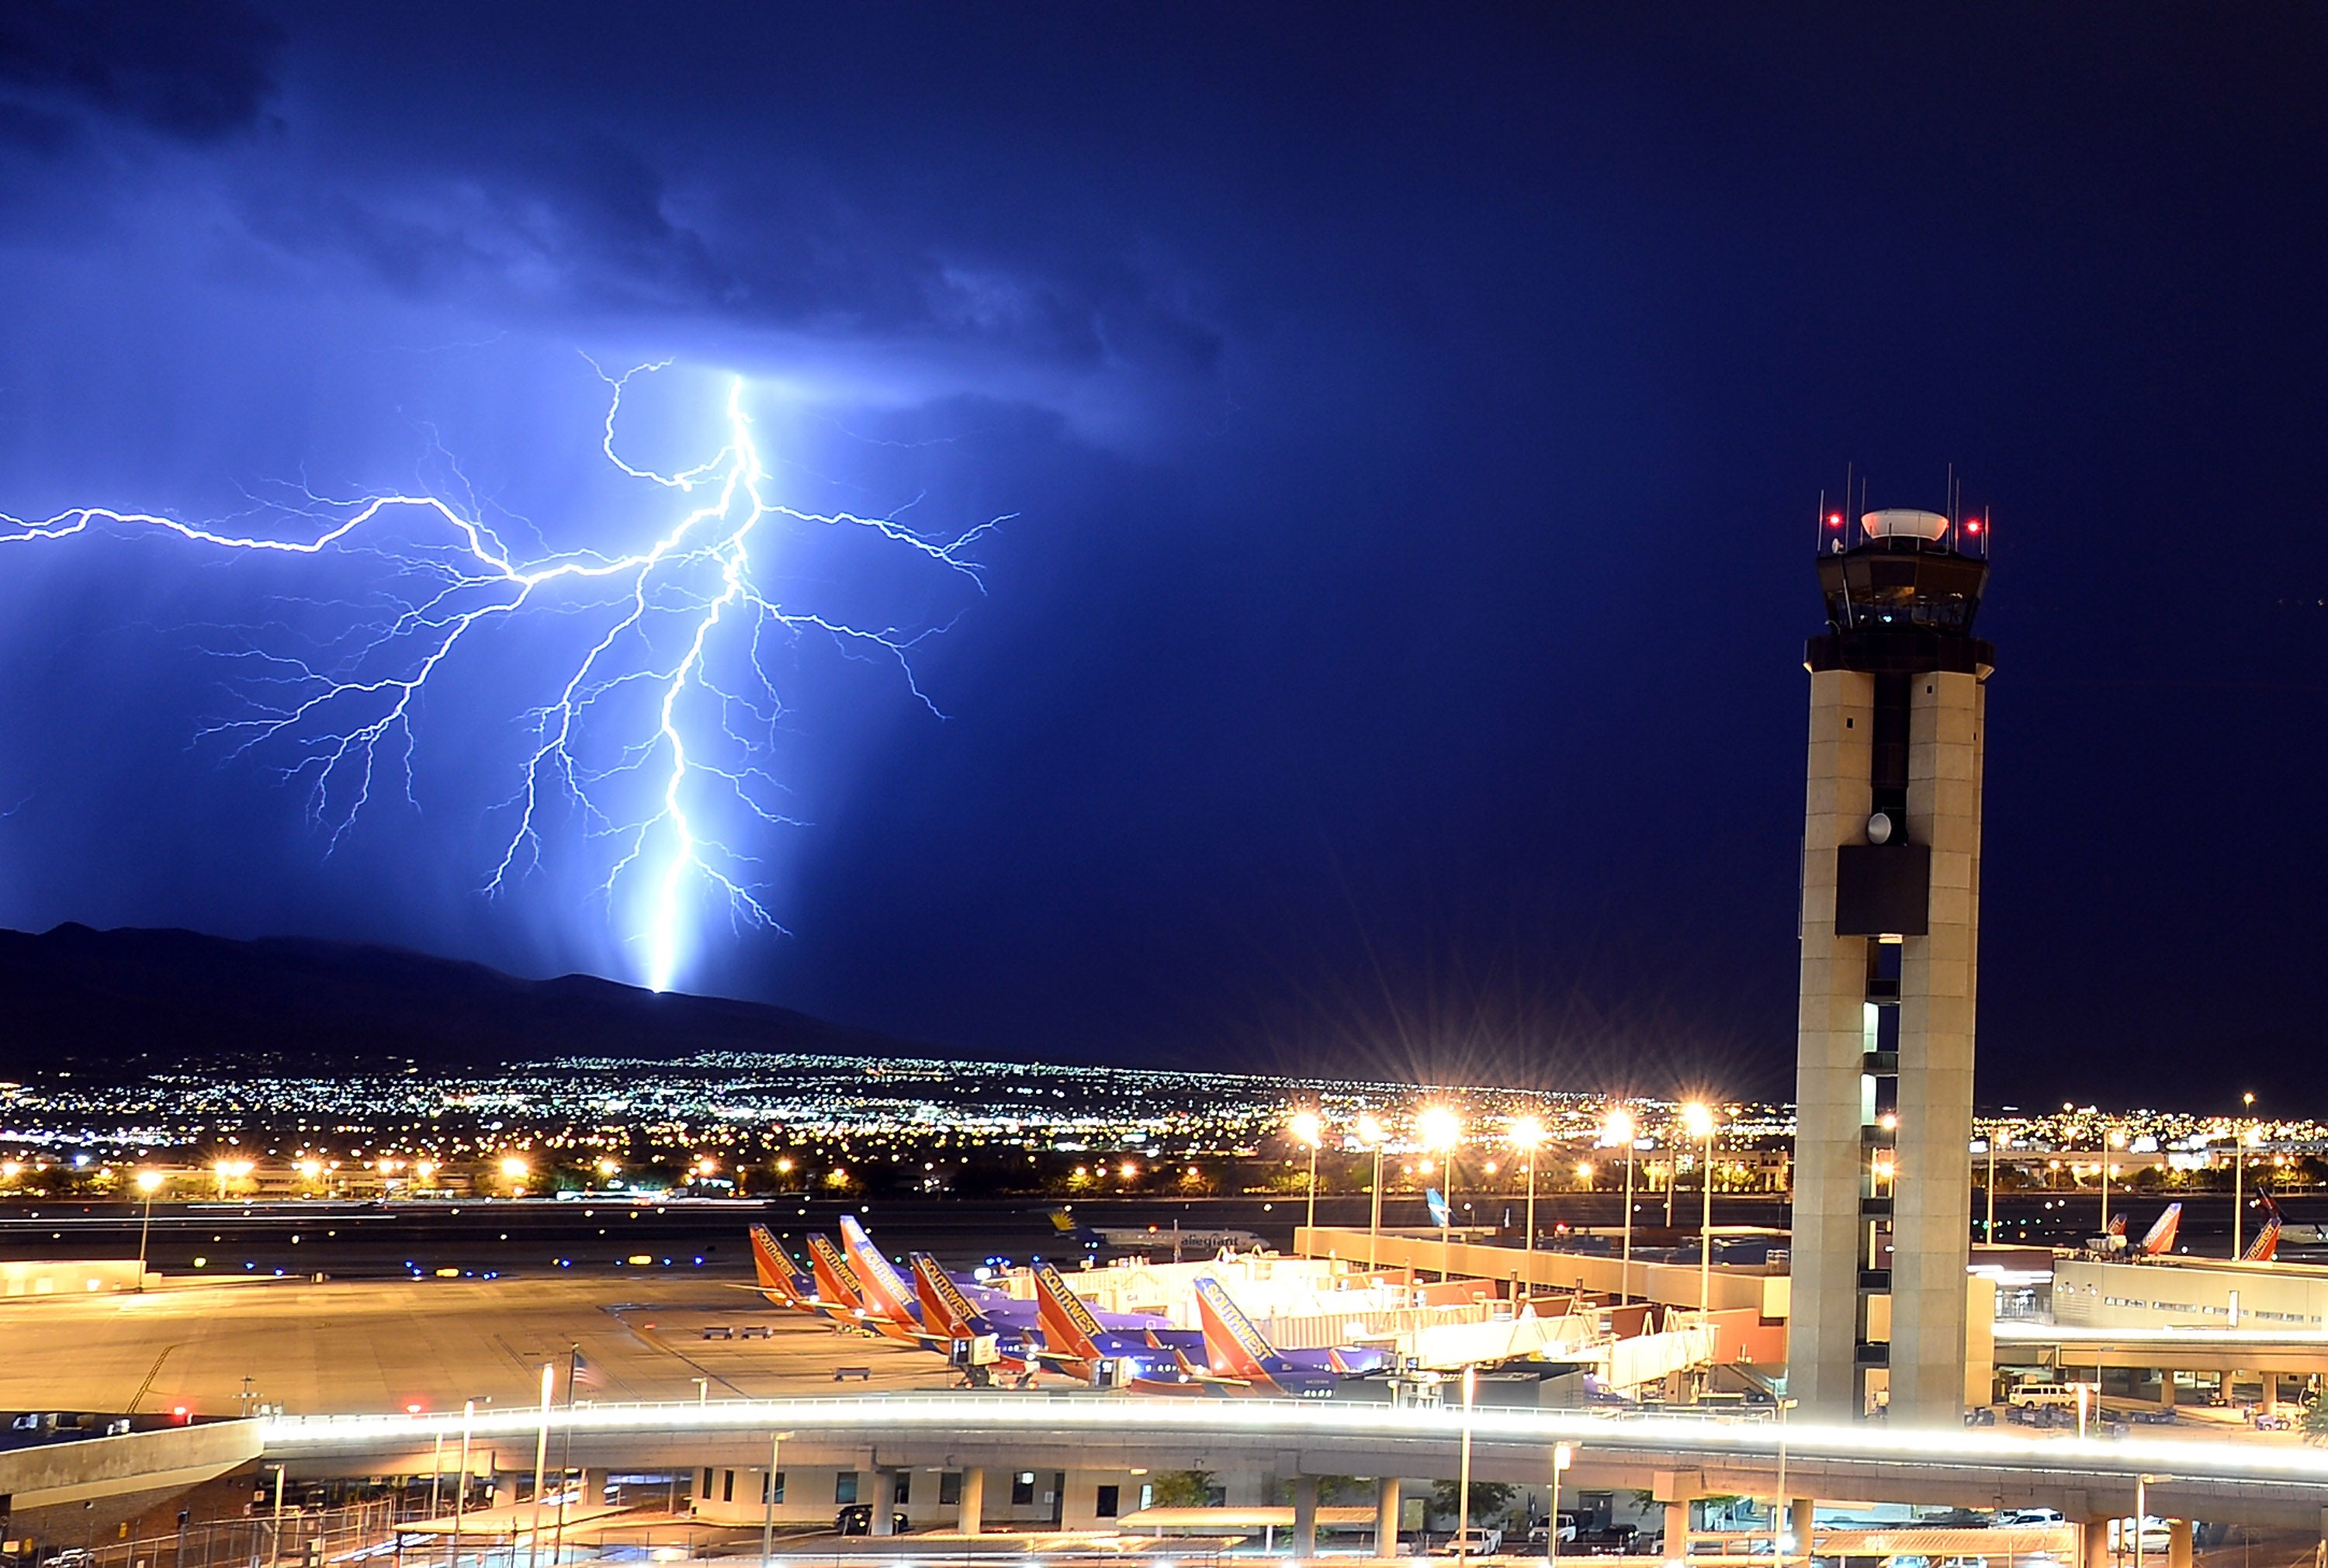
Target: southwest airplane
1236,1352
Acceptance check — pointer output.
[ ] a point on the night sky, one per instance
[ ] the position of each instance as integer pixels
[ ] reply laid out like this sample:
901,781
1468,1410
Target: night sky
1412,421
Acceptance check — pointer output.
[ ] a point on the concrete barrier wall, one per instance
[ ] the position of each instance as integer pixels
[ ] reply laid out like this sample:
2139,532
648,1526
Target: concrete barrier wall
66,1475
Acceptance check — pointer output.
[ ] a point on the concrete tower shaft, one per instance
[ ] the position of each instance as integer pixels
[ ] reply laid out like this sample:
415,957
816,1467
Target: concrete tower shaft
1890,930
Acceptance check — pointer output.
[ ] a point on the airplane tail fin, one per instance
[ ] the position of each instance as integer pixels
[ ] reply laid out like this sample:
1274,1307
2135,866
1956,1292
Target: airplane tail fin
2160,1240
1440,1213
836,1282
944,1308
1232,1343
1068,1327
885,1291
2267,1242
779,1278
2117,1224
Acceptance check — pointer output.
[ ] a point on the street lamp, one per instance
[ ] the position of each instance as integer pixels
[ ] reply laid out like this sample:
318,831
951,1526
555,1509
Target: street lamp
2142,1507
2239,1141
1617,1128
1988,1227
1528,1136
1562,1456
1439,1128
149,1182
1308,1129
1698,1121
1778,1543
2114,1140
1463,1466
1373,1132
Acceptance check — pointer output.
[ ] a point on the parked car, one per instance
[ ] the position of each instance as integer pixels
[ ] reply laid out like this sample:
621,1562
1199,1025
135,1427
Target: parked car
2162,1416
1611,1541
1479,1541
2030,1517
856,1519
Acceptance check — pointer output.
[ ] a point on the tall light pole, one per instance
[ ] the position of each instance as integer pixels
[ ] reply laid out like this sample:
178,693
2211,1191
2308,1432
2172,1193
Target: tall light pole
1439,1127
1528,1136
2114,1138
461,1495
1698,1119
1463,1468
1307,1128
1778,1543
540,1464
2141,1511
1373,1131
2239,1171
768,1503
1617,1128
149,1182
1988,1226
1562,1456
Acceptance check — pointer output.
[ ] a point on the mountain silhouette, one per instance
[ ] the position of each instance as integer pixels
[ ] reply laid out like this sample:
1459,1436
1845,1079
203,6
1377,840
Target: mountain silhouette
116,1005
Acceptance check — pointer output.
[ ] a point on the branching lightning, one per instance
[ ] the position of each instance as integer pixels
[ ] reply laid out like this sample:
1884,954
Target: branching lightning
652,735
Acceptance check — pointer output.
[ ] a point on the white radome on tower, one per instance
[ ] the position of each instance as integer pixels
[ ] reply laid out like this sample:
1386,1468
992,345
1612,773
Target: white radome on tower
1904,522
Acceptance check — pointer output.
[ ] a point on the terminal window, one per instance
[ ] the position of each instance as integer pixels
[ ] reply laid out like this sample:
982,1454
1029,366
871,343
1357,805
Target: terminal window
949,1489
844,1486
905,1487
778,1496
1108,1499
1022,1489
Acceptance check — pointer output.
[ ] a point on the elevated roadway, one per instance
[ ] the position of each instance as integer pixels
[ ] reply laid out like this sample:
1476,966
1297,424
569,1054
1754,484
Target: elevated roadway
2281,1485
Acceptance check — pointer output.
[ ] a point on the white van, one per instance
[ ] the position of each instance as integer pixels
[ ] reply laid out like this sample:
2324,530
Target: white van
2044,1396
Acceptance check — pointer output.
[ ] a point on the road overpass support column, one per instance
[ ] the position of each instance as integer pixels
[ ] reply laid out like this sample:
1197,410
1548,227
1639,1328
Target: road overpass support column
1801,1514
973,1502
2093,1543
1305,1518
884,1502
1387,1502
2178,1543
2271,1394
1676,1489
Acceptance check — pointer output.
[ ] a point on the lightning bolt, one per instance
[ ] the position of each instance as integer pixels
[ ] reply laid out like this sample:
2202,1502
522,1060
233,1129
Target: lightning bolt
650,733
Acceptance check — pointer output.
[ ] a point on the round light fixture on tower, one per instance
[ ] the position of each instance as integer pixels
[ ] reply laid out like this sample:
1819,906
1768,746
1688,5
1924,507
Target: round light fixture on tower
1879,828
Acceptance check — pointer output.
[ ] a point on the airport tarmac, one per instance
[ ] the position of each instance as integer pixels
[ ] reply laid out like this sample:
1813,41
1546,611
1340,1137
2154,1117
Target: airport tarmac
345,1347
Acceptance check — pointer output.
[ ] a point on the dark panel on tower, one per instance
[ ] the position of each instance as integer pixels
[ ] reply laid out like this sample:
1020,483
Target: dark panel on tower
1883,890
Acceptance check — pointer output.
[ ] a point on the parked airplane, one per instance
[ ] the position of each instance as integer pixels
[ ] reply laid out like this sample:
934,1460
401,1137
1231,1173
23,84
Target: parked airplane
1234,1348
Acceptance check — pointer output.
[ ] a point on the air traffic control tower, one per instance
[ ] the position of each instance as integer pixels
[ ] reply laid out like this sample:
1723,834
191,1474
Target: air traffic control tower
1891,915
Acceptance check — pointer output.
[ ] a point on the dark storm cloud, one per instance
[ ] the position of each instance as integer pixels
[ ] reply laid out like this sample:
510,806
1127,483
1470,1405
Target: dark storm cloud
199,70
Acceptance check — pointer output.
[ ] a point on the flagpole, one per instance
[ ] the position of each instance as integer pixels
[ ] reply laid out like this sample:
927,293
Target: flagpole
566,1451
